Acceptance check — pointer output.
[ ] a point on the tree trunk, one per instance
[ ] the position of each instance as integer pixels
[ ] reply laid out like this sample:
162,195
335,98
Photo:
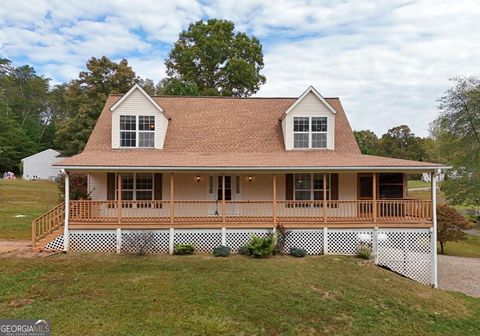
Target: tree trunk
442,246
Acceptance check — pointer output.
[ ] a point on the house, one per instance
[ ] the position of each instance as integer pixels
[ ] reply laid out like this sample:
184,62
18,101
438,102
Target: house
40,166
214,170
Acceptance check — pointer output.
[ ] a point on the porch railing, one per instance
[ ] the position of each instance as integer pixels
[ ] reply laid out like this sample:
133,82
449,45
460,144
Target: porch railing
48,223
262,211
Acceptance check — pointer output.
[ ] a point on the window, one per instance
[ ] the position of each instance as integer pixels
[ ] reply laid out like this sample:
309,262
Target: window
137,132
137,186
390,185
310,132
309,187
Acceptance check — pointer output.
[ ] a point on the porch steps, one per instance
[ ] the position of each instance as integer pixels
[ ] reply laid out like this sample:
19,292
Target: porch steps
42,244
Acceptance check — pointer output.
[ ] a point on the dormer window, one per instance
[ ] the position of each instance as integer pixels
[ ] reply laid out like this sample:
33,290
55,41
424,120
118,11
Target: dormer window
137,131
310,132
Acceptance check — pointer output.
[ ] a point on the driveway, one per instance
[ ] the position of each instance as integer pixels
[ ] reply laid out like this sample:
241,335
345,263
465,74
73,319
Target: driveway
459,274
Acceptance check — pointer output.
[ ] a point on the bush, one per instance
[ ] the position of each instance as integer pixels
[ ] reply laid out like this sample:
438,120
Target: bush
364,251
244,250
183,249
298,252
261,247
221,251
282,234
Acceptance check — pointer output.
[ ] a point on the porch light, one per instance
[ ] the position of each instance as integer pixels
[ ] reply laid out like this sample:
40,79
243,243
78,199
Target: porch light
250,179
197,178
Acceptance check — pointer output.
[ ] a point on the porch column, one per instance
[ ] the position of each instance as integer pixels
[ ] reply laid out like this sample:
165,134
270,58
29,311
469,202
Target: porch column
172,209
374,197
119,198
66,232
274,198
433,177
223,198
324,202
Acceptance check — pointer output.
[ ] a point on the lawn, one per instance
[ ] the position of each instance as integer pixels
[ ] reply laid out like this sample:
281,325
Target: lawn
418,184
93,294
464,248
24,198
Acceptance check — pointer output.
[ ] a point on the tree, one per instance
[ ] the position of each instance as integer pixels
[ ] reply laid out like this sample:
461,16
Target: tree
457,132
217,60
367,141
85,97
399,142
175,87
450,226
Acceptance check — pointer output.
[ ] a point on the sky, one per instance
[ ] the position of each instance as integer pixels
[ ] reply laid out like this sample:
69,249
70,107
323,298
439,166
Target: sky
388,61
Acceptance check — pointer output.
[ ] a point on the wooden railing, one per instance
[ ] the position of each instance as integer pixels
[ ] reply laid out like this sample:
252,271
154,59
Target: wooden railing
262,211
48,223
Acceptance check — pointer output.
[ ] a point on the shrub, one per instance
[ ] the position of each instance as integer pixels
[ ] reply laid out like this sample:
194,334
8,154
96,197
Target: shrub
183,249
244,250
298,252
364,251
221,251
282,234
261,247
138,243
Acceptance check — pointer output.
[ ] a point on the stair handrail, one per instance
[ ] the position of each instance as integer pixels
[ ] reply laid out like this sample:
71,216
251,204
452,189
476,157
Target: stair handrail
47,223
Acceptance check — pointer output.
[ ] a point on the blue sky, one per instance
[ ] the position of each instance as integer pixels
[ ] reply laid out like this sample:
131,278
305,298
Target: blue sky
389,61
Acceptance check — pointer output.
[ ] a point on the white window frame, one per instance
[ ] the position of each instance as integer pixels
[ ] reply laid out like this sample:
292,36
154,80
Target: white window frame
310,132
137,131
312,189
134,190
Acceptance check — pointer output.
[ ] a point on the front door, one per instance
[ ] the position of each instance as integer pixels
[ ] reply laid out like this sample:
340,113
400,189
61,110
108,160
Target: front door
228,188
365,191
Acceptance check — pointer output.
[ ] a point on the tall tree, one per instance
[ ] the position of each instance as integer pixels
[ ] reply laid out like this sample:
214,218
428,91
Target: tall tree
368,142
400,142
457,131
218,60
85,97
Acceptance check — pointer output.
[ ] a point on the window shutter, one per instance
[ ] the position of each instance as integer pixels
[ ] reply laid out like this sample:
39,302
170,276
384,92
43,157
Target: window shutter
334,186
157,194
289,187
110,186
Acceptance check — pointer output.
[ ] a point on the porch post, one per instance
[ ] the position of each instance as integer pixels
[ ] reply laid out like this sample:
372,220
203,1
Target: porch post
324,198
434,229
223,198
172,214
66,232
274,203
374,197
119,198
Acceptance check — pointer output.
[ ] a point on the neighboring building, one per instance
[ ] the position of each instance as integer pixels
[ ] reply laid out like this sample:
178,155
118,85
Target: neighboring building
428,178
213,170
40,166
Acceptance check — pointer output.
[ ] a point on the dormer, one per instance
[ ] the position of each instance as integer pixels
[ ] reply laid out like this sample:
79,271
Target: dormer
309,124
138,121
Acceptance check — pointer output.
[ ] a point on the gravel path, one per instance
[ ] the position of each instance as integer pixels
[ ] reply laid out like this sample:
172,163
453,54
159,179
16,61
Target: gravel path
459,274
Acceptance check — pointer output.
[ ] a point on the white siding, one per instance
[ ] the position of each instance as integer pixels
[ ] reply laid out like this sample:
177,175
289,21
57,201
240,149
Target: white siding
39,166
310,106
97,186
137,104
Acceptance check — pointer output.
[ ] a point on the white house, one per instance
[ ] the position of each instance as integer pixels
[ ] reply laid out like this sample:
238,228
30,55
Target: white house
40,165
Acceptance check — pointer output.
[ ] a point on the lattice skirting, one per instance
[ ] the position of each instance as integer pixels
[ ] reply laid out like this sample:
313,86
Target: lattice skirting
404,251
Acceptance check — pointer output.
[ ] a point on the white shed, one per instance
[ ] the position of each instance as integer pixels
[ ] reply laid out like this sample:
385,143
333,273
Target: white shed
39,166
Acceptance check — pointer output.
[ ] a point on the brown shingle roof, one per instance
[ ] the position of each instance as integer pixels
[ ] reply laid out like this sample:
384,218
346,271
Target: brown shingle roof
226,132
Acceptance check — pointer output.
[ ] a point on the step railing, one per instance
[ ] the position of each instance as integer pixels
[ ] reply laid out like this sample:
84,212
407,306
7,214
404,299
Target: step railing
48,223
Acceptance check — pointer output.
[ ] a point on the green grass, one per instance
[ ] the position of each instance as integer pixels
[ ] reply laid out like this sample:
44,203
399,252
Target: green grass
92,294
464,248
28,198
418,184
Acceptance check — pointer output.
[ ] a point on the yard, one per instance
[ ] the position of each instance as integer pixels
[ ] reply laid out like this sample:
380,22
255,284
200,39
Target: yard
26,199
97,294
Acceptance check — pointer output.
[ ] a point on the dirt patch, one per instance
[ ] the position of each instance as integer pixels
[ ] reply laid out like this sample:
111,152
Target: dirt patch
18,249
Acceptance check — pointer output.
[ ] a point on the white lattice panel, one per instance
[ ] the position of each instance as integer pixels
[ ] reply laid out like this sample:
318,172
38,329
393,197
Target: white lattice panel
346,241
204,240
93,241
56,244
154,241
237,238
407,252
309,240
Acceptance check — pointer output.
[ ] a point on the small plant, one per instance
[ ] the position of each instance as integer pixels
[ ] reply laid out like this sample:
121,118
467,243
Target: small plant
244,250
298,252
282,234
138,243
183,249
221,251
364,251
261,247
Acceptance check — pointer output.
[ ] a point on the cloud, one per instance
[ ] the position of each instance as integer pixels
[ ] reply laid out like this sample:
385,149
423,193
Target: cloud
388,61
